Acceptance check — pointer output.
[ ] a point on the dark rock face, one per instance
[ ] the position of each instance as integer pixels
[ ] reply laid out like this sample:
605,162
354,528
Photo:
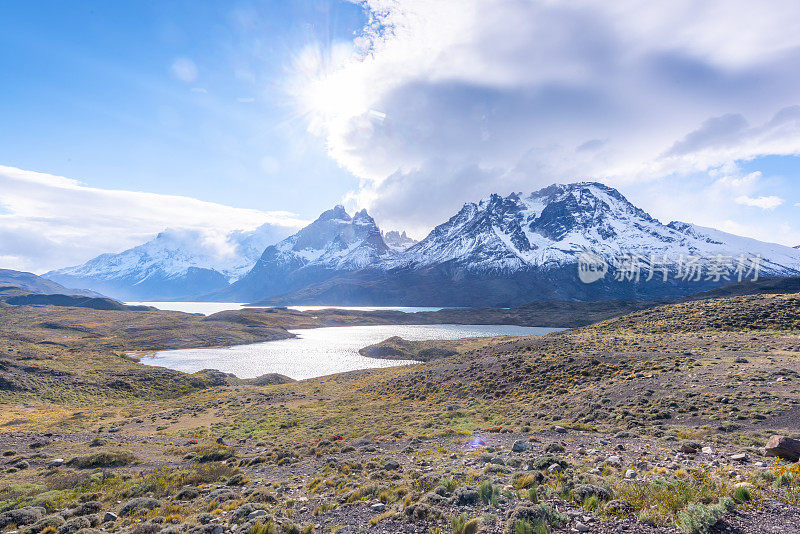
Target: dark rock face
333,244
501,251
784,448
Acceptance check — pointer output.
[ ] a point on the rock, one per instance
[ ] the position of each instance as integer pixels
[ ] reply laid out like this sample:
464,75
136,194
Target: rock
55,462
707,450
114,429
244,511
378,507
741,457
22,464
109,516
761,464
630,474
256,513
555,468
784,448
520,446
560,429
391,465
614,460
466,495
580,527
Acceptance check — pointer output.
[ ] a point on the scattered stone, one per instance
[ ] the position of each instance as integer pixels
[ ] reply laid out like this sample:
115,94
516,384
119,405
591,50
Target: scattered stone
378,507
466,495
560,429
520,446
630,474
741,457
707,450
580,527
55,462
784,448
392,465
555,468
109,516
256,513
614,460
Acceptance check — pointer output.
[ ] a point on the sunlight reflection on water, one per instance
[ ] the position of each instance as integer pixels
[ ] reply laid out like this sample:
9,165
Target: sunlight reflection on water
321,351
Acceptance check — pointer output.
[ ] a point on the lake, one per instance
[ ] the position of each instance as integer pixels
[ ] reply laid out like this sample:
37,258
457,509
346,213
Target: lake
207,308
321,351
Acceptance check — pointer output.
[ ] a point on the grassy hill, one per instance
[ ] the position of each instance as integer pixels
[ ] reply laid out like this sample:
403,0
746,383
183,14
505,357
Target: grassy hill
621,408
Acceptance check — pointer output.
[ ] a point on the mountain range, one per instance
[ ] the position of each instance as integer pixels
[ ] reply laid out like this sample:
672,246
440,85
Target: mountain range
36,284
500,251
176,264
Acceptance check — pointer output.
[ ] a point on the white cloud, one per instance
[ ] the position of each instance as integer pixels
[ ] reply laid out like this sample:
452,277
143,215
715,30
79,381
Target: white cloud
458,98
49,221
765,203
184,69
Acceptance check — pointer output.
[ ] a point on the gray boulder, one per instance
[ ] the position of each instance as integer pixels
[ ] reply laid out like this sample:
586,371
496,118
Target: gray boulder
784,448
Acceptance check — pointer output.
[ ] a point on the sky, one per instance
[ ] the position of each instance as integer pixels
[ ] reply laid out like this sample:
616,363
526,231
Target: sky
121,119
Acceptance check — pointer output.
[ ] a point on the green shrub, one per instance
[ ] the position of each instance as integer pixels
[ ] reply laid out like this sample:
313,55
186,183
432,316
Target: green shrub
698,518
742,494
103,459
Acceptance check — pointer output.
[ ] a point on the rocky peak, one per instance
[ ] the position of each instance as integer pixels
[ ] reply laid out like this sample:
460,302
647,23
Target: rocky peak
398,241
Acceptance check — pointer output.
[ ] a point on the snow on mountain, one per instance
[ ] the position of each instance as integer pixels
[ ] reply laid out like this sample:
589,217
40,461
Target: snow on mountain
397,241
335,240
554,226
175,262
499,251
334,243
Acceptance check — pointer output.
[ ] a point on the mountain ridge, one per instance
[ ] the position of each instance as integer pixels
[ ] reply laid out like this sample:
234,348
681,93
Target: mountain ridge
507,251
500,250
176,263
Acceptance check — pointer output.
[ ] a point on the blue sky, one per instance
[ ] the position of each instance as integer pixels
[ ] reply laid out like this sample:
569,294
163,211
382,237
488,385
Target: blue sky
92,91
120,119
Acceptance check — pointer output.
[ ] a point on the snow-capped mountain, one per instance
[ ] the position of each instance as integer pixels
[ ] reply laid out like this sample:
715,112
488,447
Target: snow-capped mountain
517,249
335,243
397,241
554,226
177,263
499,251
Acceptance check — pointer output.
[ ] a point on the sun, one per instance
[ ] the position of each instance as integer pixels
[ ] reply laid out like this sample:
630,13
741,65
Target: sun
325,82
